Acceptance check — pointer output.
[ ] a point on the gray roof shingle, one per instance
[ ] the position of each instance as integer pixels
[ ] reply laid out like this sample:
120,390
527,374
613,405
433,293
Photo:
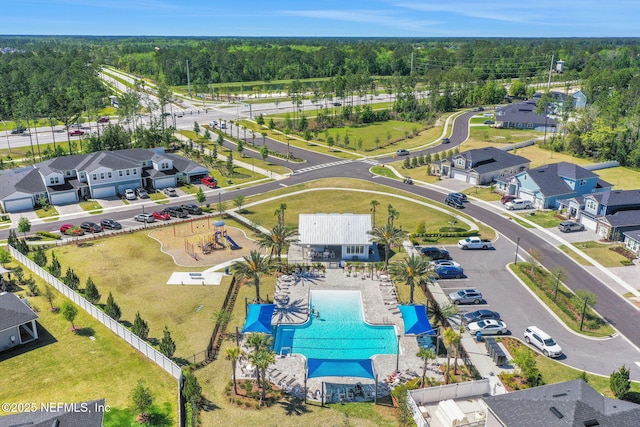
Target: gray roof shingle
84,414
550,177
489,159
522,112
14,312
624,218
619,198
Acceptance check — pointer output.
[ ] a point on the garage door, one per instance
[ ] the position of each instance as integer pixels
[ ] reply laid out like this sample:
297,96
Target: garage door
461,176
18,205
473,179
526,196
164,182
589,223
103,192
63,198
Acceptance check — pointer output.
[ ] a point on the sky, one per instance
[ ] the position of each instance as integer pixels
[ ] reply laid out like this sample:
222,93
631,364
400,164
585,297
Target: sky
326,18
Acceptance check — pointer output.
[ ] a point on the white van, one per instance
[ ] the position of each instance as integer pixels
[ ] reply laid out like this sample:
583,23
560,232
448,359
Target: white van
542,341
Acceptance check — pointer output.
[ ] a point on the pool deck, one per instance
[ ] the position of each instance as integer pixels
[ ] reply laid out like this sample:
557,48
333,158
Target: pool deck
380,308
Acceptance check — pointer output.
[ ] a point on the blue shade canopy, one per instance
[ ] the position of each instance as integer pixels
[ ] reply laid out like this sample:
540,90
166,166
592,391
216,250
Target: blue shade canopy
362,368
415,319
259,318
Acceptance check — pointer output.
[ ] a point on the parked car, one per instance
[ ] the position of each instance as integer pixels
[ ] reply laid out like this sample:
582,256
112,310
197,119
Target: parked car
76,126
209,181
142,193
489,122
516,204
91,227
435,253
478,315
445,140
129,194
466,296
461,196
443,263
170,191
213,123
18,130
449,272
162,216
71,230
109,224
542,341
336,104
570,226
144,217
103,120
402,152
76,132
223,125
454,202
175,212
488,327
192,209
507,198
475,242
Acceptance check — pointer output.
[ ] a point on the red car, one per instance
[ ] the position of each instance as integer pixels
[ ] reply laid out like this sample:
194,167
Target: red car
71,230
76,132
103,120
161,216
507,199
209,182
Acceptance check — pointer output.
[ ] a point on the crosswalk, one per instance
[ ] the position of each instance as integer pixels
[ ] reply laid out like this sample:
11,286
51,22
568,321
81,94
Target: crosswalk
336,163
370,162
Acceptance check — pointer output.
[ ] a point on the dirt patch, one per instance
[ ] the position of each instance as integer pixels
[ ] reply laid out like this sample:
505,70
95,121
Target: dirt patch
180,240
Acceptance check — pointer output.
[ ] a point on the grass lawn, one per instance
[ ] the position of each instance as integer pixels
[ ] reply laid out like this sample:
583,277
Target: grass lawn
573,255
545,219
383,171
492,135
66,367
602,253
141,286
91,206
622,178
49,214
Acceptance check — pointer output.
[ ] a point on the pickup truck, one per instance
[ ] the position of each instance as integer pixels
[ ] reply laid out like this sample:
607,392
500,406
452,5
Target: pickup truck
475,243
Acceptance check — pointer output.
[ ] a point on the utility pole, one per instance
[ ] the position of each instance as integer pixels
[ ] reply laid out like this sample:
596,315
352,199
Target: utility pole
188,80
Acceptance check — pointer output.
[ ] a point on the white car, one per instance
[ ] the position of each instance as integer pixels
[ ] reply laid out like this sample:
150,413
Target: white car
443,262
145,217
516,204
488,327
170,191
129,194
542,341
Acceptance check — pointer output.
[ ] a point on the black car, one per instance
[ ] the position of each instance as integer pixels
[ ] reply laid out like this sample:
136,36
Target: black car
91,227
110,224
175,212
192,209
445,140
454,202
476,316
18,130
435,253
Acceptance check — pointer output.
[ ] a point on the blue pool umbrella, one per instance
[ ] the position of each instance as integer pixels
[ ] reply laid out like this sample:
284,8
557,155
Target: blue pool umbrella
259,318
415,319
362,368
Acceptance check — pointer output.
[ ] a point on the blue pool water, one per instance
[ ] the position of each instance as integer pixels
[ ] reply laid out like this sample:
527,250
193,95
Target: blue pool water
340,332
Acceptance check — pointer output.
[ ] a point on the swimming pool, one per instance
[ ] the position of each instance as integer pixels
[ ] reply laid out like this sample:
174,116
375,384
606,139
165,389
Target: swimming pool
338,334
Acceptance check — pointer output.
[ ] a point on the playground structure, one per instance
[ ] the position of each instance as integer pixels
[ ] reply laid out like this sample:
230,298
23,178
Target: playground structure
209,243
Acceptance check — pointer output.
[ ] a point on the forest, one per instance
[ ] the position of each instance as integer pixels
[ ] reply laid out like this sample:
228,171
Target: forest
56,77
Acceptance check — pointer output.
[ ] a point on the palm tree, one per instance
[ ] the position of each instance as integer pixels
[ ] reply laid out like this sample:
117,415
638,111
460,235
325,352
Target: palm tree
411,270
233,354
425,354
277,239
262,359
451,339
252,266
374,204
387,235
283,208
258,341
392,214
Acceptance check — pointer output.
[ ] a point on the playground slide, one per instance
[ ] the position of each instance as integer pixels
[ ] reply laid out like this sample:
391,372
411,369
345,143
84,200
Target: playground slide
234,245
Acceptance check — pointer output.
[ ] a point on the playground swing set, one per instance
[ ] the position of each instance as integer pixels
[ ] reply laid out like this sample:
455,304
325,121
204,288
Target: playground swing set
218,240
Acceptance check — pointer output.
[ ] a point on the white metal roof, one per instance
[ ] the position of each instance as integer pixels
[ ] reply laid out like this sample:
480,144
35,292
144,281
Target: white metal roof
334,229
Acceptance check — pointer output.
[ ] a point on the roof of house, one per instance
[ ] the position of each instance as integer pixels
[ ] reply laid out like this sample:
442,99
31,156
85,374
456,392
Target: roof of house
550,177
334,229
575,403
633,234
522,112
489,159
14,312
84,414
624,218
25,180
618,197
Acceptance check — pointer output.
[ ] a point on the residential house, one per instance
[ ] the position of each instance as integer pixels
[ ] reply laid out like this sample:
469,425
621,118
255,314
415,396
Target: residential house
579,100
82,414
546,185
522,115
631,241
17,322
335,236
600,212
103,174
482,165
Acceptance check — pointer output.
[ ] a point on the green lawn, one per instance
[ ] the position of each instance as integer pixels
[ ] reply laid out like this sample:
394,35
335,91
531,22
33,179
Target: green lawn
545,219
580,260
622,178
602,253
49,214
91,206
66,367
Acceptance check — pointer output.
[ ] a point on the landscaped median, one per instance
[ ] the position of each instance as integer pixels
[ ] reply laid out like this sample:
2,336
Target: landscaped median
568,306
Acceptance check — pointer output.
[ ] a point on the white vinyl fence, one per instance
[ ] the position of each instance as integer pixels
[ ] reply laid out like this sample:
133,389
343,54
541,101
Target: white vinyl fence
139,344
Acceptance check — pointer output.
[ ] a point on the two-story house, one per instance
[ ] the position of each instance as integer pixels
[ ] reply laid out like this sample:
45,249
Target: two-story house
482,165
611,213
546,185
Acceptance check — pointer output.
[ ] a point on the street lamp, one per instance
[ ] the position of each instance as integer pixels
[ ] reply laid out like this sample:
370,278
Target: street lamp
398,355
517,247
